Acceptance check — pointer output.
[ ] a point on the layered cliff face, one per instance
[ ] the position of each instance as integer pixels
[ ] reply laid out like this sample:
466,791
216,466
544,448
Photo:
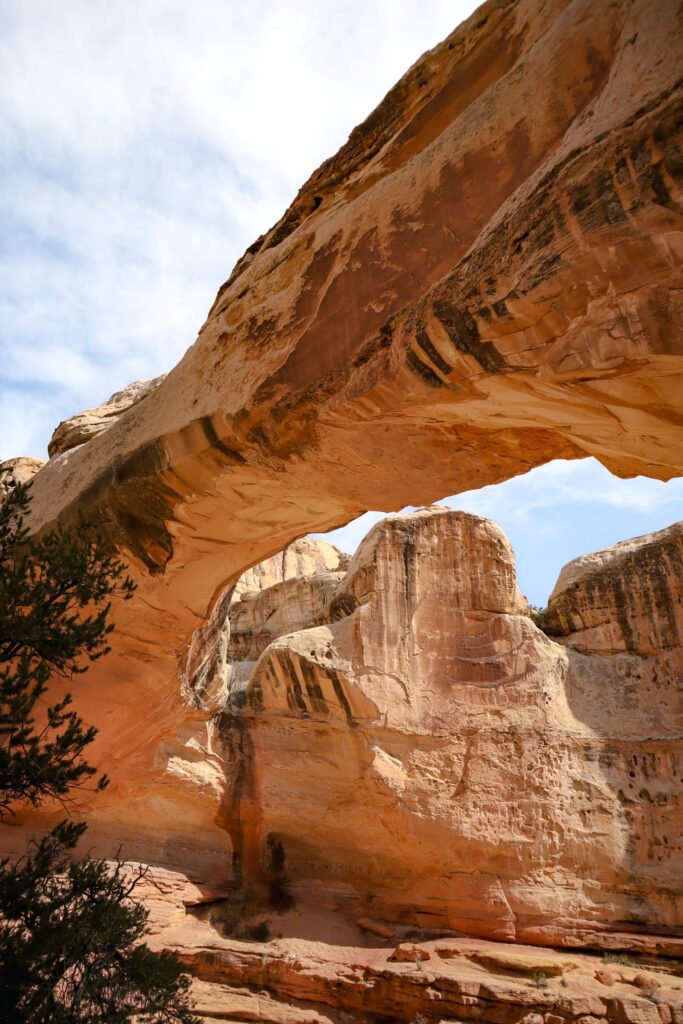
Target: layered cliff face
487,276
289,590
625,598
424,753
426,759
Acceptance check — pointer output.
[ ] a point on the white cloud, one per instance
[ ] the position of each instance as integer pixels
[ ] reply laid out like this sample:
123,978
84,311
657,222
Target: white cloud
144,145
554,514
563,483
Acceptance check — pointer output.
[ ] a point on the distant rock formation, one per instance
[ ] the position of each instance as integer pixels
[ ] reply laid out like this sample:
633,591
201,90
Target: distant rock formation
85,425
304,557
290,590
17,471
625,598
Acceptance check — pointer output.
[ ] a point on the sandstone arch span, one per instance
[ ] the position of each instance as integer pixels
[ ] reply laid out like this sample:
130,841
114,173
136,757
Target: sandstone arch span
486,277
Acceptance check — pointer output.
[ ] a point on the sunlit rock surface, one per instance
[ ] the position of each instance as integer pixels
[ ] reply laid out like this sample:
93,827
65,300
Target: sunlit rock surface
485,277
304,557
288,591
88,424
294,980
429,755
625,598
17,471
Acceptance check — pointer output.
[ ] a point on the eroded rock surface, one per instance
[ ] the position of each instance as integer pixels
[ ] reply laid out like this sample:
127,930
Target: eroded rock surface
17,471
625,598
288,591
485,277
300,982
88,424
430,756
306,556
321,969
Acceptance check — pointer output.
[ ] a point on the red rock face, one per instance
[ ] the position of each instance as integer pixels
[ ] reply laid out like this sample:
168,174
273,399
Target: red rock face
487,276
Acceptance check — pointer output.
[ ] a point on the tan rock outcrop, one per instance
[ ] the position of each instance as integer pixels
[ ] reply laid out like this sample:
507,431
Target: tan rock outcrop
322,969
17,471
487,276
289,591
306,556
283,608
294,980
432,757
625,598
85,425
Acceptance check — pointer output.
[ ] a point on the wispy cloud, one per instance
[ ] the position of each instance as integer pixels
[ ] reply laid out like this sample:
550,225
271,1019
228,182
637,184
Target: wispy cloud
570,484
555,513
143,145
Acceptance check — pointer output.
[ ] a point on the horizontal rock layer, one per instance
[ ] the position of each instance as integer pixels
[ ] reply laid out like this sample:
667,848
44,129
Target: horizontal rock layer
310,983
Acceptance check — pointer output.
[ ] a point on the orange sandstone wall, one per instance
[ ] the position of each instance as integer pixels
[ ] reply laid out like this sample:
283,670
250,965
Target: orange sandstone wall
486,276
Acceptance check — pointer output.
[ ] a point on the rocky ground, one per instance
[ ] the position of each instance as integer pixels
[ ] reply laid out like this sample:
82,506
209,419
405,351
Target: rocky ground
324,967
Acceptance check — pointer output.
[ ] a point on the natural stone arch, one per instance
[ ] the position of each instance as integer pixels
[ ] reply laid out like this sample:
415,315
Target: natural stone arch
484,278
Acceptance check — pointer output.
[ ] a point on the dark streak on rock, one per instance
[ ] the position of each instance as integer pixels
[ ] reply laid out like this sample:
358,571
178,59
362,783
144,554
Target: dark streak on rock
313,689
409,554
341,696
234,731
462,329
215,441
341,606
295,697
423,371
424,341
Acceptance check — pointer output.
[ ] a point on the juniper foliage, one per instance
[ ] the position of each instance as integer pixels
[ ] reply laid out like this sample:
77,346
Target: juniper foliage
70,929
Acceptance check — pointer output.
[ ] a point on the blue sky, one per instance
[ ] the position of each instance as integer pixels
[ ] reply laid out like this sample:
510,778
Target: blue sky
144,144
556,513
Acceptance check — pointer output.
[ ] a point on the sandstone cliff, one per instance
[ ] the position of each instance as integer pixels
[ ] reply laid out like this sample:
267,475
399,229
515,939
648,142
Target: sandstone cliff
485,277
426,758
625,598
425,753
